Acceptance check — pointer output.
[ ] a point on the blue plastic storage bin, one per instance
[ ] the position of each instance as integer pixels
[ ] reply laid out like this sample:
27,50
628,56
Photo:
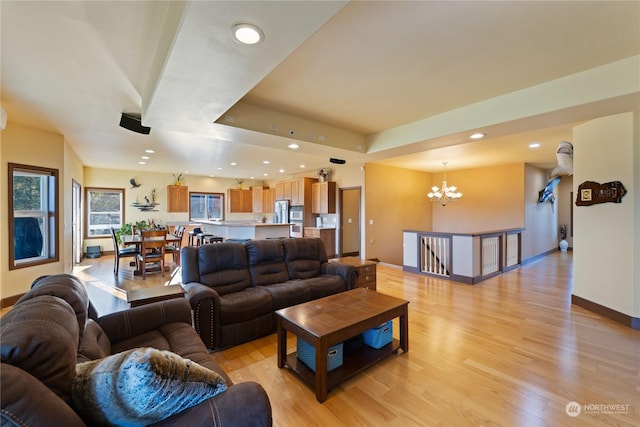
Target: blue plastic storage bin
307,354
379,336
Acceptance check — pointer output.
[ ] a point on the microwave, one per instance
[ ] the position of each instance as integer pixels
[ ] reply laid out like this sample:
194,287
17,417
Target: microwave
296,214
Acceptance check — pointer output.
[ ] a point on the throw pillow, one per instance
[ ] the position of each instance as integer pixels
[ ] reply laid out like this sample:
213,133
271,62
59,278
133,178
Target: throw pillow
140,387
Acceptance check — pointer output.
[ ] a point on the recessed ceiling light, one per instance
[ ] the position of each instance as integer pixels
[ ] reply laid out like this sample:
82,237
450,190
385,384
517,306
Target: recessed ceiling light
303,166
233,164
247,33
219,169
142,163
145,157
281,170
477,135
294,146
534,145
149,151
266,174
266,162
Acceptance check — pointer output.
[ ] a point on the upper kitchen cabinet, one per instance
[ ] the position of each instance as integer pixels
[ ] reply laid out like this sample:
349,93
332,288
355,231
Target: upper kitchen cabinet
263,199
301,191
283,190
268,200
323,197
240,200
177,198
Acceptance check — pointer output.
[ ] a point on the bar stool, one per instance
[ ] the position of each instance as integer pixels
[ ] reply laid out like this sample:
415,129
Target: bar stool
213,239
193,235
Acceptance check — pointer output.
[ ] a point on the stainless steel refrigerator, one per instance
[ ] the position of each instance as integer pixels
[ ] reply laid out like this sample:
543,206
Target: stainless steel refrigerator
281,212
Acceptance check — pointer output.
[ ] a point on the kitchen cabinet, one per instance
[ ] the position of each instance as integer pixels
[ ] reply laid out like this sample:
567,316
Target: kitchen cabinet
283,190
177,198
263,199
366,271
301,191
239,200
323,197
256,196
268,200
328,236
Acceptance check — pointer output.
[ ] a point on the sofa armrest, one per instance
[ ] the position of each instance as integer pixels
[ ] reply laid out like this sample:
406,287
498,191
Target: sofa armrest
205,303
132,322
348,272
242,405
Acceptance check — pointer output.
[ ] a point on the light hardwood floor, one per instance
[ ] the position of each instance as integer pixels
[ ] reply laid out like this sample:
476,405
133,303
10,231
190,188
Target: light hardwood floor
510,351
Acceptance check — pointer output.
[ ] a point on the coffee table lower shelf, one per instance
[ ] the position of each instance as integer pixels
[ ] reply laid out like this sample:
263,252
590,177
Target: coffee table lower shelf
353,364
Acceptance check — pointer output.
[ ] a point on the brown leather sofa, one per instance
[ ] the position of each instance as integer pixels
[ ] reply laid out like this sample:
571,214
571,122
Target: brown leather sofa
235,288
54,325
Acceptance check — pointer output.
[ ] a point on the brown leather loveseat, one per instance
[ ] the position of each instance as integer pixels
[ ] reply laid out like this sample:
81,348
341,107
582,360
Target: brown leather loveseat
235,288
53,329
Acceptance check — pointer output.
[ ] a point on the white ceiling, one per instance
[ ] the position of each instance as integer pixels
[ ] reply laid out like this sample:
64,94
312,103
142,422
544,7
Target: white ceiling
390,73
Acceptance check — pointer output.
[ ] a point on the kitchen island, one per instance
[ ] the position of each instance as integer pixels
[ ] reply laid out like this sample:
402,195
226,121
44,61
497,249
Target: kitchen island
245,230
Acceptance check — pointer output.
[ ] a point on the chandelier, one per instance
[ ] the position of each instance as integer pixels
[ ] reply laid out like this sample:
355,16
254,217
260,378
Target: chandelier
444,194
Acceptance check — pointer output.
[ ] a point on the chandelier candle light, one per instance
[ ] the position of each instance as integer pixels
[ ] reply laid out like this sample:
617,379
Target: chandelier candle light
444,194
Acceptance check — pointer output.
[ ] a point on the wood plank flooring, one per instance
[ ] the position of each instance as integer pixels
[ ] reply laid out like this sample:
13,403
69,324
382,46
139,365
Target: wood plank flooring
510,351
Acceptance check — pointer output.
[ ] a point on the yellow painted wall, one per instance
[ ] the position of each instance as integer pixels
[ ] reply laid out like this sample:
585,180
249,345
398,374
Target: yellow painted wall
493,199
541,232
395,200
24,145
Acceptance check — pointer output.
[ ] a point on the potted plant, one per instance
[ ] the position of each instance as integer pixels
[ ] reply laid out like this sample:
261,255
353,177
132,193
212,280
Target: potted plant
126,228
563,238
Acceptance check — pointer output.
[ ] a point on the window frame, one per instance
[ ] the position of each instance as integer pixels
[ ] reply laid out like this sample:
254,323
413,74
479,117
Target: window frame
206,194
87,210
50,214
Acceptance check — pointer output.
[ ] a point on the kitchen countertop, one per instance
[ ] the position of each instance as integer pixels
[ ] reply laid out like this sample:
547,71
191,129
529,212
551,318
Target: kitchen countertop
243,224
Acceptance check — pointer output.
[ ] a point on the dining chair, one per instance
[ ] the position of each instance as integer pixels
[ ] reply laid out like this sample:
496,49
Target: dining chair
152,249
118,252
173,248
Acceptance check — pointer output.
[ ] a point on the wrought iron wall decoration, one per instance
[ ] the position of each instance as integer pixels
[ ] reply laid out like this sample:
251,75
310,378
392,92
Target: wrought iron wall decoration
593,193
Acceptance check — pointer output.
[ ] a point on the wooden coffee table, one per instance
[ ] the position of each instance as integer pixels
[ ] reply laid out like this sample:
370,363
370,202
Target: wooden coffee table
328,321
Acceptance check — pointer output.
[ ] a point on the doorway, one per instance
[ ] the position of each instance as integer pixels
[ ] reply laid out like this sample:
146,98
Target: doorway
76,220
349,199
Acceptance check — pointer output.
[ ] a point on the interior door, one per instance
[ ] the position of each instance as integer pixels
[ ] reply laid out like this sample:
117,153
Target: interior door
350,221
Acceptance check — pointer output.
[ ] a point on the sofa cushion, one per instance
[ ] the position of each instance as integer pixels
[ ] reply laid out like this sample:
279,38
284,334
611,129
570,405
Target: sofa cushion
223,267
140,387
266,262
325,285
94,344
66,287
40,336
289,293
244,305
304,257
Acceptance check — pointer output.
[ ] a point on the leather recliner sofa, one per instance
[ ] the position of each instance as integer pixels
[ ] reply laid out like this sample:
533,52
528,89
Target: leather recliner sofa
235,288
54,326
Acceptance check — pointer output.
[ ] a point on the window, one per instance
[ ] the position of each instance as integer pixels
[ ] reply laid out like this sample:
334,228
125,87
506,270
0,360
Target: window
33,215
105,209
206,206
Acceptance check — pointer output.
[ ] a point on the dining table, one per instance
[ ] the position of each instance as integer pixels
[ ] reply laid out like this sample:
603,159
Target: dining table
136,240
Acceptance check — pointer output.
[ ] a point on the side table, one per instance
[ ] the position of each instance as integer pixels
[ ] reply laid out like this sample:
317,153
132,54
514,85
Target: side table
366,271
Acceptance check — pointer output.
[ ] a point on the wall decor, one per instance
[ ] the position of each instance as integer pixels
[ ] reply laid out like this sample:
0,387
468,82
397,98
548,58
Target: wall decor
593,193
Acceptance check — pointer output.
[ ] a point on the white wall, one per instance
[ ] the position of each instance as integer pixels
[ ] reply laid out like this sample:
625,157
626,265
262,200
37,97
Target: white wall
606,235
